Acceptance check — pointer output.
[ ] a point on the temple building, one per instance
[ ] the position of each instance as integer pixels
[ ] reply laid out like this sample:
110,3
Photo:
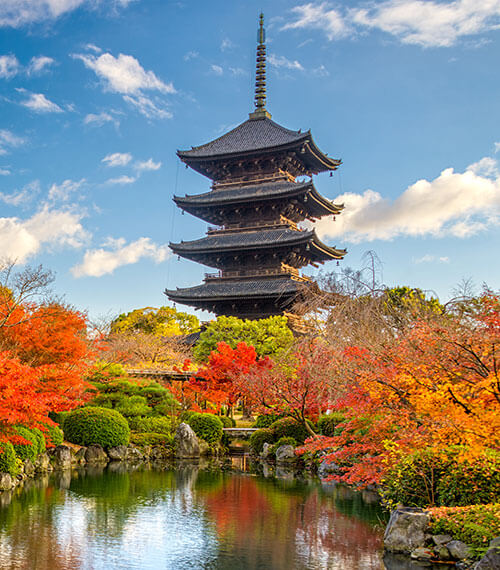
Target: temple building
261,190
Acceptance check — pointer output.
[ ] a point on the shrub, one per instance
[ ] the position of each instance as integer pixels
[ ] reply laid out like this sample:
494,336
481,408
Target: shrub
26,450
58,417
54,435
288,427
91,425
327,425
40,440
185,415
8,460
259,438
227,422
265,420
151,438
283,441
151,425
475,525
134,406
207,427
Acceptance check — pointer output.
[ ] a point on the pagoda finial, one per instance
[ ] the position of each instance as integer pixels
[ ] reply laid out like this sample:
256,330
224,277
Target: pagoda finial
260,75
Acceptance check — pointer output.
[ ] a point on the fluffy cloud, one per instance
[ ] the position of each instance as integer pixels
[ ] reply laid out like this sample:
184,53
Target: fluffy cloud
46,229
38,103
62,192
9,66
100,119
147,165
9,140
282,61
19,197
453,204
117,159
18,13
125,75
421,22
121,180
39,64
216,69
98,262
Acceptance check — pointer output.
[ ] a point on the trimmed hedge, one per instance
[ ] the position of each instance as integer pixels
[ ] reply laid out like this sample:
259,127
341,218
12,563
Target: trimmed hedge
151,438
27,450
92,425
185,415
259,438
266,420
160,424
288,427
207,427
8,459
227,422
54,435
134,406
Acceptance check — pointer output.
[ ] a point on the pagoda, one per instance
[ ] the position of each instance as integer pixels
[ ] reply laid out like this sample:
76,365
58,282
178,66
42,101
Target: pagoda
261,190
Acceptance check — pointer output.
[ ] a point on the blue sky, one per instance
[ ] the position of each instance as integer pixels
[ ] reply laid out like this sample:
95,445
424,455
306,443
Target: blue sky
96,96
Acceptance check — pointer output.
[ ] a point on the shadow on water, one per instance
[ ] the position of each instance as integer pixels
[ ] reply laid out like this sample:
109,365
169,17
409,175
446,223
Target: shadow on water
188,517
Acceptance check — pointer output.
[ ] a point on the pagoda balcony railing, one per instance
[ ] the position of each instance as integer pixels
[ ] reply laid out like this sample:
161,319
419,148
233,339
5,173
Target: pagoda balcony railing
253,225
257,273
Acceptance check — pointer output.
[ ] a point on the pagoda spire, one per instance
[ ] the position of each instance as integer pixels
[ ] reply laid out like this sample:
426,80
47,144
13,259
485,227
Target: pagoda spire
260,74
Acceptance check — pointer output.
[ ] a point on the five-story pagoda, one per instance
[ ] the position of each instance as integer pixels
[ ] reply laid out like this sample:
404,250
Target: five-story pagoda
256,203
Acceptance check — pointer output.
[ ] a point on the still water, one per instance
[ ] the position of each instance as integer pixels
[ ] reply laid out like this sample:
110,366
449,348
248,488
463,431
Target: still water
185,519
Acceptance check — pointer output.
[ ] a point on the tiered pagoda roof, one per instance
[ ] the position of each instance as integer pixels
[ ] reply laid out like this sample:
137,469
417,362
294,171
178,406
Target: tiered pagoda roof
256,202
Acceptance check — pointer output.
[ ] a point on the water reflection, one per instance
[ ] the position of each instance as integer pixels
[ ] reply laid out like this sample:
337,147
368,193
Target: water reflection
186,518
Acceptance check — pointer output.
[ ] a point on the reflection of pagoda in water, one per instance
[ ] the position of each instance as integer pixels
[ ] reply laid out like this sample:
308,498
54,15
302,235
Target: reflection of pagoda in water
256,203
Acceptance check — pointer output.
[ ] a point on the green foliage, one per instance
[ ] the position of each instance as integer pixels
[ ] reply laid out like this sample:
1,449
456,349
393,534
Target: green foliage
268,336
92,425
328,424
153,439
151,425
134,406
283,441
27,450
475,525
8,460
207,427
104,370
58,417
227,422
406,302
39,440
54,435
266,420
288,427
164,321
185,415
259,438
430,477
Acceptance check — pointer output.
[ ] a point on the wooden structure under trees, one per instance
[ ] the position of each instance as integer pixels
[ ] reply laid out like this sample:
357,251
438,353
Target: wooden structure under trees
256,203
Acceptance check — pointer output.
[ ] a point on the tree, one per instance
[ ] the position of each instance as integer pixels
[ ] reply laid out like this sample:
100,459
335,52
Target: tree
268,336
163,321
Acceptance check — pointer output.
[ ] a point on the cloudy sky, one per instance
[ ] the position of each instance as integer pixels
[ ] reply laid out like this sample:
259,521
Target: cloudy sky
96,96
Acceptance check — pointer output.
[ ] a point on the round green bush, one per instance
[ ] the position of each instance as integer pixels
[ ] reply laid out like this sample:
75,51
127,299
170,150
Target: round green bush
259,438
159,424
54,435
8,460
134,406
328,424
27,450
91,425
40,440
153,439
288,427
185,415
227,422
207,427
265,420
283,441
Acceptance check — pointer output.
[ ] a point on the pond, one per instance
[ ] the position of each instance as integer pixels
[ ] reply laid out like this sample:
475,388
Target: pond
186,518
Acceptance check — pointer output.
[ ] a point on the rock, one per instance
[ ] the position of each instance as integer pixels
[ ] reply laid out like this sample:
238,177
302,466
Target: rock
95,454
118,453
491,560
204,447
286,454
266,451
421,553
61,457
406,530
186,442
6,482
458,549
442,552
441,539
42,463
134,454
29,468
327,468
79,456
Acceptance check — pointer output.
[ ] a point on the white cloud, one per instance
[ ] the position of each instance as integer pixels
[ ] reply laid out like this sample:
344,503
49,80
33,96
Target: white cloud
62,192
497,147
421,22
100,119
237,71
282,61
93,47
99,262
487,166
9,140
38,103
4,172
453,204
9,66
191,55
18,13
226,44
125,75
117,159
121,180
19,197
428,258
39,64
217,69
147,165
48,228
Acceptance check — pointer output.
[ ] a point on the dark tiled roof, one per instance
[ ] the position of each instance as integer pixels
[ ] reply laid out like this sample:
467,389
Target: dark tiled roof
216,289
253,134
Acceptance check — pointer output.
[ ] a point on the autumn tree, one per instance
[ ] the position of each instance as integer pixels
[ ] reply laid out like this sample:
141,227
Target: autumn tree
163,321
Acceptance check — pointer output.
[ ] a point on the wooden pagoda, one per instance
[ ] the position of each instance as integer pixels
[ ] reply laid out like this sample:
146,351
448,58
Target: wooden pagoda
256,203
